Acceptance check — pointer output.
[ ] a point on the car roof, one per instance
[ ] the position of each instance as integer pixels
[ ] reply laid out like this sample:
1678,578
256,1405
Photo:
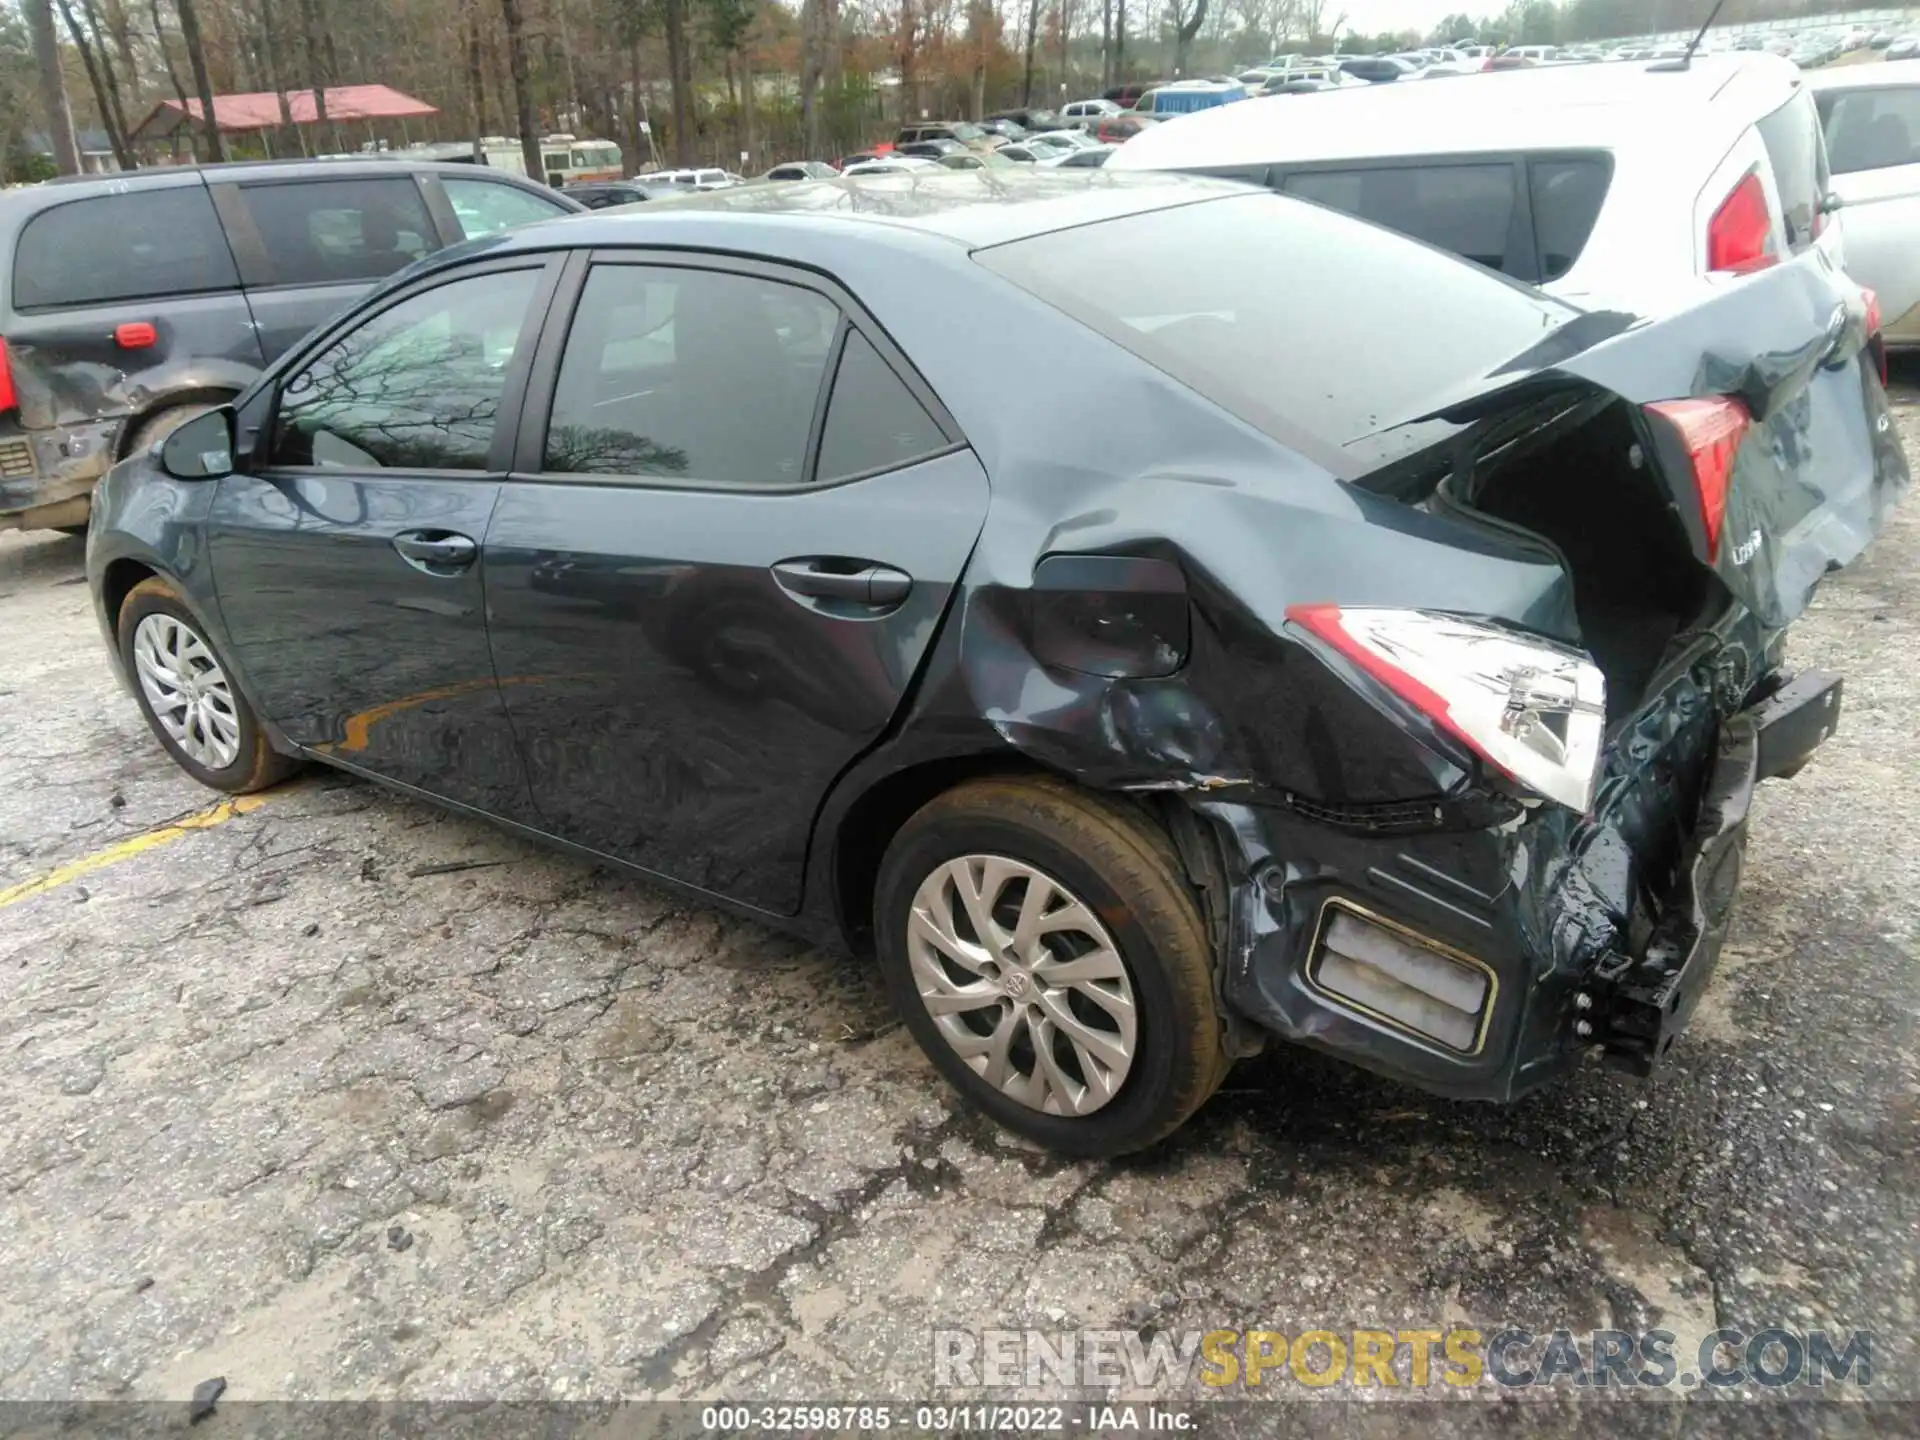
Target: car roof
1866,77
1559,107
973,208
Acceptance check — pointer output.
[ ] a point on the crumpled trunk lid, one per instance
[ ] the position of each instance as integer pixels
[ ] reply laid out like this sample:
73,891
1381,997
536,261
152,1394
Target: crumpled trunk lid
1815,475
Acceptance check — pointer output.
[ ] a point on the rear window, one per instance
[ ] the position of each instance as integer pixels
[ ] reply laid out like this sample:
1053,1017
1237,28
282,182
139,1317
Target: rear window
122,247
318,232
1566,195
1872,129
1467,209
1799,159
1294,319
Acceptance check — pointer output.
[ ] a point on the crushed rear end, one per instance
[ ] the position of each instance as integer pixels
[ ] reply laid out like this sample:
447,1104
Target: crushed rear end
1693,479
1454,665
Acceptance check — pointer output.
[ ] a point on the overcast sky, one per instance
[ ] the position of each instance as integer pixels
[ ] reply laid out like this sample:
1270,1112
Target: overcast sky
1370,17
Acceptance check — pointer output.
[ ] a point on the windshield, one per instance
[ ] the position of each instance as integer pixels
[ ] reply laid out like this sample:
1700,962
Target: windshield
967,131
1287,315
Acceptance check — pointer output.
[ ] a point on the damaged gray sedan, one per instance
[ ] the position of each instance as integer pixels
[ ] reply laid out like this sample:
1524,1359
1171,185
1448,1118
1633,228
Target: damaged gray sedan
1349,646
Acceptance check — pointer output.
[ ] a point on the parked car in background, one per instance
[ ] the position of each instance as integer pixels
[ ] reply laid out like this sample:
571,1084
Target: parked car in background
600,195
1092,157
698,179
1871,115
1377,69
961,132
1118,129
1188,97
1221,691
802,170
877,152
1127,96
1906,47
1031,118
895,164
1085,113
1606,184
976,160
133,302
1004,128
932,149
1061,140
1317,77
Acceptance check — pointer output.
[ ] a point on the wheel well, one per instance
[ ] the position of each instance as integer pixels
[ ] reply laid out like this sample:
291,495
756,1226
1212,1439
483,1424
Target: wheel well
875,818
173,399
120,578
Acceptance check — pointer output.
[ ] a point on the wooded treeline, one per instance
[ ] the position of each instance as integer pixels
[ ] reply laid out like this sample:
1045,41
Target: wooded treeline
707,79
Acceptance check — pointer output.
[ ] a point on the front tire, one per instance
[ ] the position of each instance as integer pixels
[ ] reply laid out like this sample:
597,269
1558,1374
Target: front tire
1045,949
189,697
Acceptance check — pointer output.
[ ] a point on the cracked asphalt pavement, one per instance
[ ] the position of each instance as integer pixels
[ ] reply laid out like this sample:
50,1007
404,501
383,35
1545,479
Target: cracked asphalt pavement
346,1097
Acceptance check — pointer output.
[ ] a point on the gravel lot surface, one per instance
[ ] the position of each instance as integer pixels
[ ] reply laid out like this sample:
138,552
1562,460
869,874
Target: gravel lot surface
345,1097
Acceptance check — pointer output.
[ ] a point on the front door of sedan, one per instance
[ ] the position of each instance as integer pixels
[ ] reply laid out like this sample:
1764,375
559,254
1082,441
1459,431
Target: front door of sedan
347,553
724,552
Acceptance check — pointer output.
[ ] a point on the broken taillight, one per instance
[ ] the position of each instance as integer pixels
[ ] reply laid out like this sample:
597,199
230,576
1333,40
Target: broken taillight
1533,710
7,398
1711,428
1740,234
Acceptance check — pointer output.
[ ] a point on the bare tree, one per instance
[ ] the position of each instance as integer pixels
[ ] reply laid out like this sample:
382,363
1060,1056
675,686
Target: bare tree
1033,30
53,87
476,77
106,95
1187,17
313,26
522,90
277,78
197,62
680,74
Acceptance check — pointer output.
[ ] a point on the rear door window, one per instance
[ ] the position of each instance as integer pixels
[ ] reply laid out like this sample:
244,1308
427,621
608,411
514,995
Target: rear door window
1566,194
1872,129
691,374
1799,159
322,232
1467,209
873,421
122,247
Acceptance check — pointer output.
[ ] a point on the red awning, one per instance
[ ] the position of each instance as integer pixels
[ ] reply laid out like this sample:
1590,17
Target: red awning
261,109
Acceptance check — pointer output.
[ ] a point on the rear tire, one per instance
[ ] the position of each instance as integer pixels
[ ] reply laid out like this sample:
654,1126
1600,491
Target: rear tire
999,1001
198,714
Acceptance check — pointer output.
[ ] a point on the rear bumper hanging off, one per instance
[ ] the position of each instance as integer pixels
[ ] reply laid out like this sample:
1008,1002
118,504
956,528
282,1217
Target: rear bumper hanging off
1446,960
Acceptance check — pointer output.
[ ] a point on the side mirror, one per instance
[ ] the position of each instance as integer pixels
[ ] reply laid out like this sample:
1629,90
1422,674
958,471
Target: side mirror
201,449
1831,202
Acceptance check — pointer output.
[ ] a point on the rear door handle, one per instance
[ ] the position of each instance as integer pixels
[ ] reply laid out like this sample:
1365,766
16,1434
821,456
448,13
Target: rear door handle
860,582
437,552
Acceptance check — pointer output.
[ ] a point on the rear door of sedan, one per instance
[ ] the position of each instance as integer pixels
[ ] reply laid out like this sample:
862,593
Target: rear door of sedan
735,520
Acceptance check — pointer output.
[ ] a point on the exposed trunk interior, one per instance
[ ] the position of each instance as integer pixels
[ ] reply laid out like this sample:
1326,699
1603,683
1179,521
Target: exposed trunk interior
1578,478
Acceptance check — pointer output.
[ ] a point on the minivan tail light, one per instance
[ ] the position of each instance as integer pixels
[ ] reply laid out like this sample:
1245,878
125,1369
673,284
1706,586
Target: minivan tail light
1711,428
8,400
1533,710
1740,234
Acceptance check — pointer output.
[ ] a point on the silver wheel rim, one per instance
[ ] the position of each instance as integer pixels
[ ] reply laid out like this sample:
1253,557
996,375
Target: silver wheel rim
187,690
1024,982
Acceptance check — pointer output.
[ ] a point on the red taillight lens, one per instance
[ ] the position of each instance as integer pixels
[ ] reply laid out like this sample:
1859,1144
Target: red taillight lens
135,335
1740,235
1874,341
7,398
1711,427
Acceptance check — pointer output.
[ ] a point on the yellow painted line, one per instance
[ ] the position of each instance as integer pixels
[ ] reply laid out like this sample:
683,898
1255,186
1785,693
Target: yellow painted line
129,847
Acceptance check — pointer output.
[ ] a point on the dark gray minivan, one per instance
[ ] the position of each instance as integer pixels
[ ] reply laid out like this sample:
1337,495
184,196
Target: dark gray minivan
130,303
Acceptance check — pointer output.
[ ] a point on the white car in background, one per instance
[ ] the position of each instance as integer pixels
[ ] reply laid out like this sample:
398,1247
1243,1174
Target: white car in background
1608,185
1089,112
1871,114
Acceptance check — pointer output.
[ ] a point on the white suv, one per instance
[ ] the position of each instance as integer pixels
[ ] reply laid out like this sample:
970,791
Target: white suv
1605,184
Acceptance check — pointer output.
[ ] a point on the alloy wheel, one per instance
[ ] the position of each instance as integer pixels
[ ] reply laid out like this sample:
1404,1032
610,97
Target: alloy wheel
1024,982
187,690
